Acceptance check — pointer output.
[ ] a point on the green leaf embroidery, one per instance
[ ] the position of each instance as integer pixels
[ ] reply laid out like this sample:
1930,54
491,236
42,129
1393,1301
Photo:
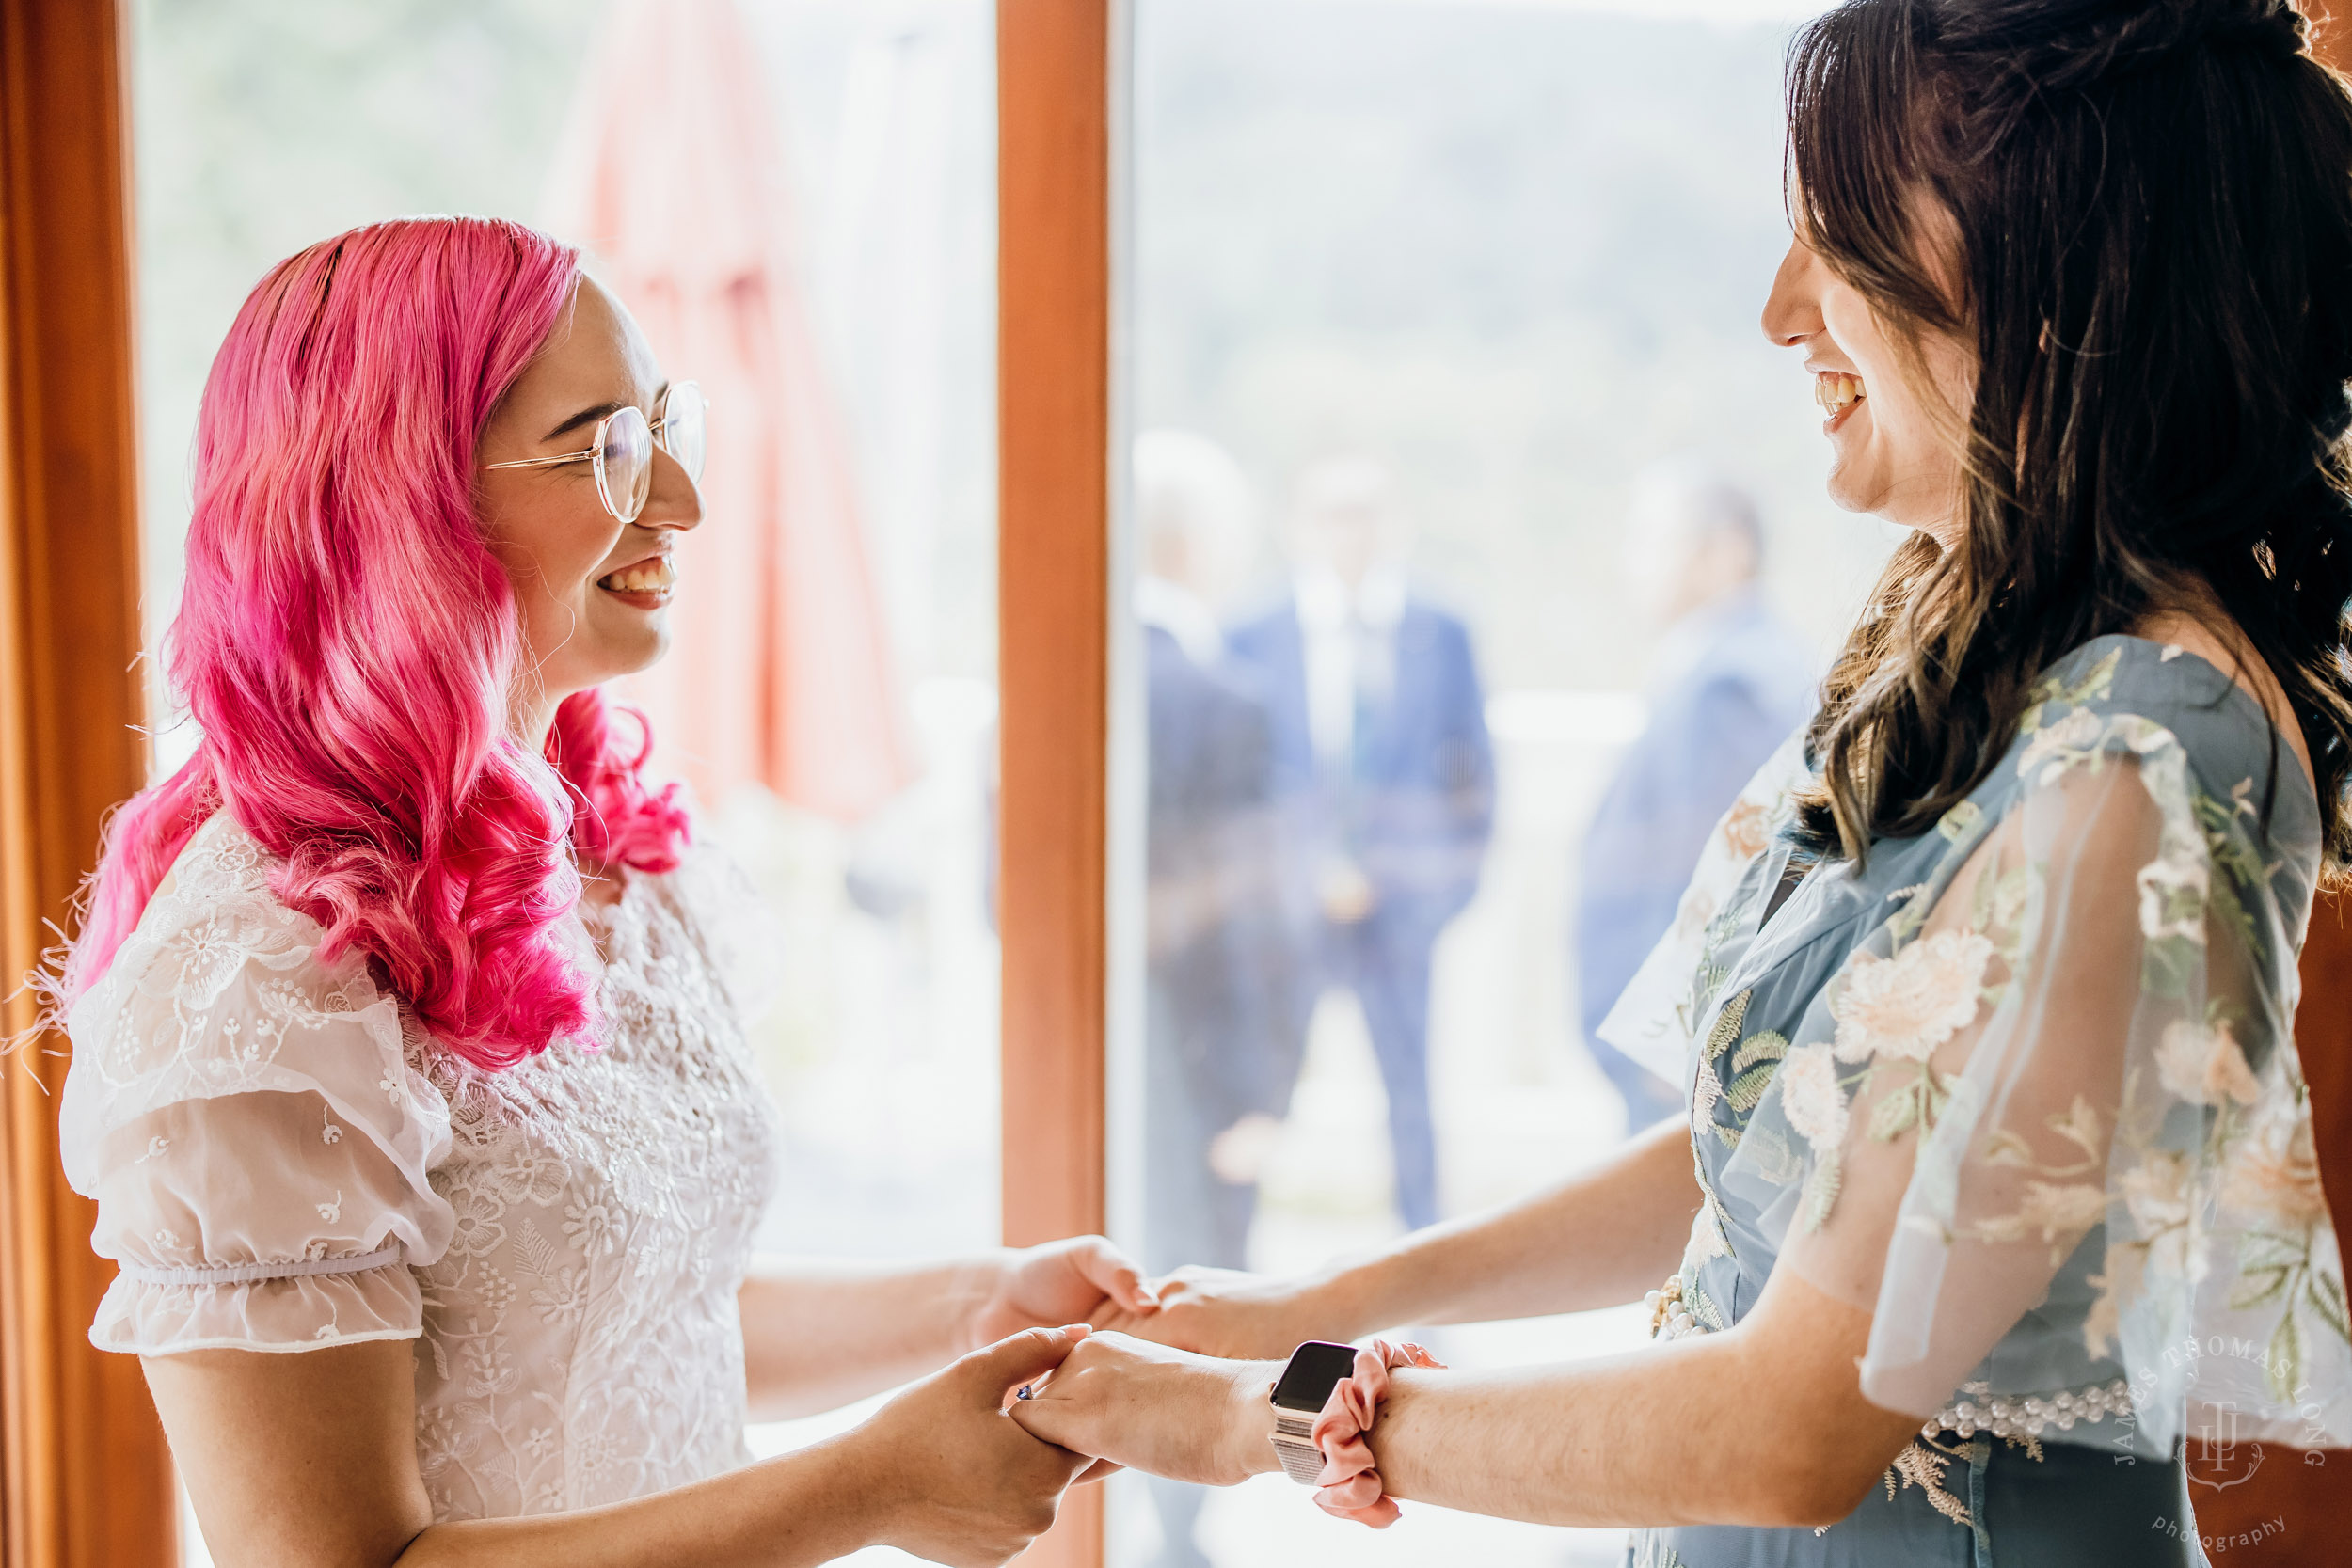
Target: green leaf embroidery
2260,1286
2286,1358
1749,1086
1770,1046
2326,1298
1700,1307
1726,1030
1820,1191
1776,1162
1895,1115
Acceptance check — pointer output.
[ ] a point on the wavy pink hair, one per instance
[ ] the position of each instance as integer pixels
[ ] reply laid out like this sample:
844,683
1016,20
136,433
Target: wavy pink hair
349,643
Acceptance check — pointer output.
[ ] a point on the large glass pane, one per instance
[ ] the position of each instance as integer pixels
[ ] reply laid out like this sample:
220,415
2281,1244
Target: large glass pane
1481,554
820,255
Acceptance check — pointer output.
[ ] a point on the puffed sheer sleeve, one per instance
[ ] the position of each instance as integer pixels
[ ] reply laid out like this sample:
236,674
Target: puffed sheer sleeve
246,1119
2059,1089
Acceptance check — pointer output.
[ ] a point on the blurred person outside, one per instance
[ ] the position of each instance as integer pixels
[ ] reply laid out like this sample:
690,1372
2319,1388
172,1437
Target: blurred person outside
1219,1056
1221,1062
1730,684
1384,774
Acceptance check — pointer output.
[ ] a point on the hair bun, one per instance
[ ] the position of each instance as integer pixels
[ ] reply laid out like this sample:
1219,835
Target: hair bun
2060,47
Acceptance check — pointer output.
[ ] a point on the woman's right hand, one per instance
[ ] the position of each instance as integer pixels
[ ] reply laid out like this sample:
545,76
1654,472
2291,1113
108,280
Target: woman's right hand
954,1480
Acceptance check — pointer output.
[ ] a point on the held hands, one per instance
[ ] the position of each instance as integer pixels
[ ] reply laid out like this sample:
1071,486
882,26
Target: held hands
1223,1312
1078,1279
1164,1410
956,1481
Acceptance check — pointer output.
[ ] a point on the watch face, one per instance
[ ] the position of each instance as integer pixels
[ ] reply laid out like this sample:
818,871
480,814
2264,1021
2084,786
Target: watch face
1315,1369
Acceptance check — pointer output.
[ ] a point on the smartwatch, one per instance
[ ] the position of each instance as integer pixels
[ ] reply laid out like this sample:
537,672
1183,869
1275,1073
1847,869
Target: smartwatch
1315,1369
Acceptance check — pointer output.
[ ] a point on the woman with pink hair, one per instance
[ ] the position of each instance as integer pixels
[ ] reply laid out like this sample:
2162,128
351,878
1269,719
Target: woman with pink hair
409,1068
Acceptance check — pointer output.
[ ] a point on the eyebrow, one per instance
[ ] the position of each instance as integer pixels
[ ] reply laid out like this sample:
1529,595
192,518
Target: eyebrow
585,417
590,414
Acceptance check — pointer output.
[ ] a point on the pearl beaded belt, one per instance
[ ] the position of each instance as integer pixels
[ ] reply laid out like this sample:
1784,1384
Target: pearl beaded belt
2008,1416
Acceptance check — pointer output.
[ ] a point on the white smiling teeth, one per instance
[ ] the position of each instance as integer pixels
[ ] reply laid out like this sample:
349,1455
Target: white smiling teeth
646,577
1835,392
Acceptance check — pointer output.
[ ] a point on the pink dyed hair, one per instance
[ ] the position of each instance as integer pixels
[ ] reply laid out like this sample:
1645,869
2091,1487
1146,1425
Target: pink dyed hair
347,642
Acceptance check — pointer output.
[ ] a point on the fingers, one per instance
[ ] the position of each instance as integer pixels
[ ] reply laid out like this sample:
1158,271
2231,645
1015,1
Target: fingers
1048,1421
1025,1355
1109,1270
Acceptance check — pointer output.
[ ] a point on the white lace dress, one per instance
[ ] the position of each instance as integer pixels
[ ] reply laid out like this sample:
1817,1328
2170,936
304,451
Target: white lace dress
282,1159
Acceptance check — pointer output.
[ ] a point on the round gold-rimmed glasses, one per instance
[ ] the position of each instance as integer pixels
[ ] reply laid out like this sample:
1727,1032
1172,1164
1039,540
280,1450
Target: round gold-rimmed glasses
622,447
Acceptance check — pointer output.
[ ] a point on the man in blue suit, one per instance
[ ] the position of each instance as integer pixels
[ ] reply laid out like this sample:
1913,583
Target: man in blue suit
1732,683
1384,776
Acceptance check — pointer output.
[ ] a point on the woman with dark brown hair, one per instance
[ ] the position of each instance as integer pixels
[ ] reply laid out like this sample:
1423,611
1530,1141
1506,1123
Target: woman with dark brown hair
1998,1180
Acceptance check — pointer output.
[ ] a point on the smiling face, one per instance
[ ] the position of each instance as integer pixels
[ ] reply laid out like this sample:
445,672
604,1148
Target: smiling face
592,593
1895,436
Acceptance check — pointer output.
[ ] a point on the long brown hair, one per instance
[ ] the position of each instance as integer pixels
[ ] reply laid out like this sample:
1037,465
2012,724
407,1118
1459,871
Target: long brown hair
2153,201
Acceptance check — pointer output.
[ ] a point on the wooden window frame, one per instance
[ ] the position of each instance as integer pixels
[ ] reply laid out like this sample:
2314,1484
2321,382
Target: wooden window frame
85,1477
1058,78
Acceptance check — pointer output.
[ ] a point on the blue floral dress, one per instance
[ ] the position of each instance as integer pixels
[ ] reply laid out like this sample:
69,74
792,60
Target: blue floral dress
2025,1086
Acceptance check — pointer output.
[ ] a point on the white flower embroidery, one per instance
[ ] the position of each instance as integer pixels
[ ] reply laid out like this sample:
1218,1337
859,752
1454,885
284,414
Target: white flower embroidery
592,1227
477,1211
155,1146
533,1172
2156,1195
1906,1006
331,1212
2173,899
1812,1099
2273,1173
2079,729
2058,1211
565,1296
2204,1064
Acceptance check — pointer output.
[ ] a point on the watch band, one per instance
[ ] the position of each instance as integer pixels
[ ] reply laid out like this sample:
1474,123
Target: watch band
1295,1446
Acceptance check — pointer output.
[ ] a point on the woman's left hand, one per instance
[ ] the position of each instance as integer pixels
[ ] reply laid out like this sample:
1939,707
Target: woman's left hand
1166,1412
1067,1281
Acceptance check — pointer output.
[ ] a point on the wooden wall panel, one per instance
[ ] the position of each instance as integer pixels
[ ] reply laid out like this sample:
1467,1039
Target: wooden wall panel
85,1478
1054,401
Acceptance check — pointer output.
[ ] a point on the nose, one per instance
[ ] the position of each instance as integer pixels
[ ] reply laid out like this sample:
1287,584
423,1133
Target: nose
1792,313
673,501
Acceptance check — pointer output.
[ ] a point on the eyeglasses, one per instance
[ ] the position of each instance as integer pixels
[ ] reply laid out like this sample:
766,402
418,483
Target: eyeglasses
622,447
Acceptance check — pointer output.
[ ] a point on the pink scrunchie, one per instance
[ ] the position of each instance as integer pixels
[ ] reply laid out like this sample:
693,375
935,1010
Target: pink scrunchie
1349,1487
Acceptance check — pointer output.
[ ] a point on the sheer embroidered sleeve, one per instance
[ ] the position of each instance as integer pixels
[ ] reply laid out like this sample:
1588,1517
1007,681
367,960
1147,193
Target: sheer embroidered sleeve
2048,1120
245,1117
1652,1020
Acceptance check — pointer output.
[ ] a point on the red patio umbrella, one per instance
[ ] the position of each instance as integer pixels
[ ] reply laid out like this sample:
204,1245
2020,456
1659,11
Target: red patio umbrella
671,174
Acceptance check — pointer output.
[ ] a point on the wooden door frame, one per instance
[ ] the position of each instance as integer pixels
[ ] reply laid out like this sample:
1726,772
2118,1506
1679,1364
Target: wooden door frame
85,1477
1058,84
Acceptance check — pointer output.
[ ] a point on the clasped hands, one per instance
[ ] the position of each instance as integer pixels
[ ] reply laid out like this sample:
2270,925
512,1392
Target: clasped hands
1178,1389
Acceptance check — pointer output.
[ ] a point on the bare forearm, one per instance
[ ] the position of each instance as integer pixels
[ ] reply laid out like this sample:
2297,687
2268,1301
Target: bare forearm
1622,1441
818,1335
808,1507
1600,1237
1646,1438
